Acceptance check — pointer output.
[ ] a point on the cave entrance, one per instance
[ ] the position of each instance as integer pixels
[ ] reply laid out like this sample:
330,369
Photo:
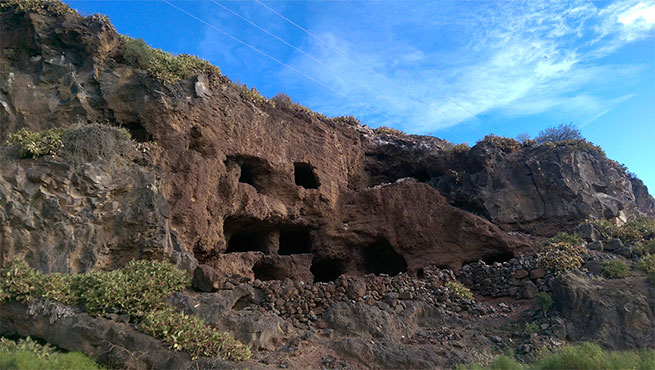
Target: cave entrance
138,132
247,176
254,171
304,175
247,240
266,270
246,235
500,256
381,258
327,269
295,241
421,176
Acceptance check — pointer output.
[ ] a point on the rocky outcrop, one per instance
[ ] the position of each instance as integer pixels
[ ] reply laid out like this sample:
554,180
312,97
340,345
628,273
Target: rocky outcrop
63,217
537,189
619,314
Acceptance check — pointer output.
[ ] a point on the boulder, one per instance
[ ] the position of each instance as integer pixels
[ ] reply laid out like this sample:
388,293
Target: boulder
618,314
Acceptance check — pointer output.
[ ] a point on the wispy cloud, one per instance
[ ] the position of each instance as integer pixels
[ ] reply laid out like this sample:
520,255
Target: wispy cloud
520,58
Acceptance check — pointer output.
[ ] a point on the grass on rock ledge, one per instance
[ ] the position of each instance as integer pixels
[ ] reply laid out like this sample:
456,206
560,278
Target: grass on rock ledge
585,356
139,290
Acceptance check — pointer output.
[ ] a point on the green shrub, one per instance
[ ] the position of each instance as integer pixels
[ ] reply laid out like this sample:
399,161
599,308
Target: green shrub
561,256
252,95
615,269
459,289
544,300
506,144
389,131
633,231
55,7
585,356
348,120
28,354
645,247
190,334
19,282
562,237
36,144
164,66
134,289
531,328
647,264
139,287
27,345
591,356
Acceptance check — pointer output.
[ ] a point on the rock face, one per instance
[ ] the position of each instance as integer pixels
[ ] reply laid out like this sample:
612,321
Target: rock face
536,189
63,217
618,314
228,177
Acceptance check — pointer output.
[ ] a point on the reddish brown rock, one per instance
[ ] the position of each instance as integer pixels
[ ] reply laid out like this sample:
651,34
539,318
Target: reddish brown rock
537,273
521,274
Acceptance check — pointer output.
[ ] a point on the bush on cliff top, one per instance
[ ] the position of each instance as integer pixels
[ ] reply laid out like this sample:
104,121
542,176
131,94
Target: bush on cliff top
563,132
55,7
162,65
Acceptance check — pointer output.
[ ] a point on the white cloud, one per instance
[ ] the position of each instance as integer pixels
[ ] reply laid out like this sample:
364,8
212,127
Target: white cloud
521,58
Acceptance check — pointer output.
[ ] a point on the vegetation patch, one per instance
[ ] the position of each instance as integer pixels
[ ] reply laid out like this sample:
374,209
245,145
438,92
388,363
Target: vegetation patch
544,300
162,65
284,101
559,257
638,230
55,7
615,269
29,354
347,120
33,144
459,289
76,144
390,131
506,144
585,356
92,142
139,290
252,95
190,334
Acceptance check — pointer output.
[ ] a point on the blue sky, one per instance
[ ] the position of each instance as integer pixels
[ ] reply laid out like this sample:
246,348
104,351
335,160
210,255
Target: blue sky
455,69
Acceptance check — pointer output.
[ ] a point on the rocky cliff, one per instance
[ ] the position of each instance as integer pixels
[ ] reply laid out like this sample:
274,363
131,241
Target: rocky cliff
240,190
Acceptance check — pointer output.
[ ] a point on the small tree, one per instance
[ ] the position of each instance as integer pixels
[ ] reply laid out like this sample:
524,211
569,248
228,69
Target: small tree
563,132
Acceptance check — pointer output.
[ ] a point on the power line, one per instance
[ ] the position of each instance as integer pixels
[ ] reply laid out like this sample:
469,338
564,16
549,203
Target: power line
372,70
273,58
312,57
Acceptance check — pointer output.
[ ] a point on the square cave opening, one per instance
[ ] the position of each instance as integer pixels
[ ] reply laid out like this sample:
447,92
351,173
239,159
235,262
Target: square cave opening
304,175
